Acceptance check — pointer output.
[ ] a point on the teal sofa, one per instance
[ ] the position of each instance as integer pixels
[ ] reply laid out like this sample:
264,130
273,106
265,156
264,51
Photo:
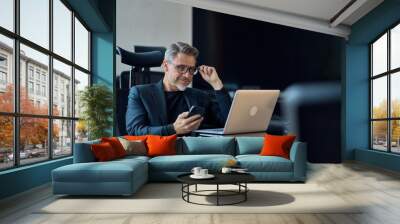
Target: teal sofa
125,176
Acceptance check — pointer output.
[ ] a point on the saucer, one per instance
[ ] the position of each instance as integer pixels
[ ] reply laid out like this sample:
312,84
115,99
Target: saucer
208,176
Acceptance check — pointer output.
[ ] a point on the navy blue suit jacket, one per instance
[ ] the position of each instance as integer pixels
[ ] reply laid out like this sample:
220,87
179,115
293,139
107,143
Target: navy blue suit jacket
147,110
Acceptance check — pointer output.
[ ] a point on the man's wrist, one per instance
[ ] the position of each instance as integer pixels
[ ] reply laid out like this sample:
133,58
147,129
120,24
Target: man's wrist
217,85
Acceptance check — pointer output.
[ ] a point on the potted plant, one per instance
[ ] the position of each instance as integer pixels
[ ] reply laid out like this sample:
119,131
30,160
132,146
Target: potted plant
96,110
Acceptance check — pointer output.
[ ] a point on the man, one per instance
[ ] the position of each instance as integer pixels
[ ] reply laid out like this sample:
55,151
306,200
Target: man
162,108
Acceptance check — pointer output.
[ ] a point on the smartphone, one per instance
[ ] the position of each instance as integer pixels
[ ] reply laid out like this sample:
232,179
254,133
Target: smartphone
196,110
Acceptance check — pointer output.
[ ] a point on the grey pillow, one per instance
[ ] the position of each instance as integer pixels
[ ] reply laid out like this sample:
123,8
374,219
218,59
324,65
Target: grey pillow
137,147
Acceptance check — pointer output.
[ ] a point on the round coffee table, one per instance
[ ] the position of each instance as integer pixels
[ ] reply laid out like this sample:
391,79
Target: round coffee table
238,179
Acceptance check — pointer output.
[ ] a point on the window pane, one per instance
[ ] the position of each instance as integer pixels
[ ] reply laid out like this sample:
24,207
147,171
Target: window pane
395,47
35,21
395,94
81,45
62,29
62,138
379,55
379,98
7,14
33,140
81,81
62,89
6,142
81,131
34,78
379,135
395,136
6,74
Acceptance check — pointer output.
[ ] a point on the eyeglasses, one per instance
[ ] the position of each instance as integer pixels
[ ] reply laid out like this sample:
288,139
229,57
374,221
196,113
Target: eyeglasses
182,69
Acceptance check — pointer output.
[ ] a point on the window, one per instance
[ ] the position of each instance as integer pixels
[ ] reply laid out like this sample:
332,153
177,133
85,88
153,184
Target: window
30,72
38,89
35,21
7,14
3,61
30,87
43,90
38,74
3,78
385,91
81,45
3,72
54,126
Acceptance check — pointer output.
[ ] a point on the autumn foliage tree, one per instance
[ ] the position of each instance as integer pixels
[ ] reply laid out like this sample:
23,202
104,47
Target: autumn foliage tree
33,131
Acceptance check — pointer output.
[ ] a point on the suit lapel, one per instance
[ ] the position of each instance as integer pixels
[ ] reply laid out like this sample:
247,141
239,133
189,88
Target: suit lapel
159,102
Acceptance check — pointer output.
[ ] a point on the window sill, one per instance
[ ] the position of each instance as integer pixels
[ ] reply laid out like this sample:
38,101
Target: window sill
26,167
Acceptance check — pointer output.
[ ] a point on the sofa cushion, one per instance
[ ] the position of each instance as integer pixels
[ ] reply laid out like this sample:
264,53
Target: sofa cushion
257,163
277,145
185,163
206,145
161,145
135,147
249,145
103,152
112,171
116,145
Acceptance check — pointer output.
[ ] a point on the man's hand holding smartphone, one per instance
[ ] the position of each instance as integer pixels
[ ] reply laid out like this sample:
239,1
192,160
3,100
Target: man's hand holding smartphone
189,121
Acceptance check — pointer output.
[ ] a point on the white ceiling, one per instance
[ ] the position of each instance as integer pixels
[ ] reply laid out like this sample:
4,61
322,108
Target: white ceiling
314,15
319,9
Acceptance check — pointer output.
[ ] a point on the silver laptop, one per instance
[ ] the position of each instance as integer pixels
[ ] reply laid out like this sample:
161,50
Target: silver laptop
251,111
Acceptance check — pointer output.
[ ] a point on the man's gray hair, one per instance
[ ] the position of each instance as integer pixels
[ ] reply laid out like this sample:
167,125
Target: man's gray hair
180,47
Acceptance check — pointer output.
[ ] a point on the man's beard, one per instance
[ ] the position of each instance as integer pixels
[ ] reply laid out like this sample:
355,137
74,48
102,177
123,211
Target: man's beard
180,87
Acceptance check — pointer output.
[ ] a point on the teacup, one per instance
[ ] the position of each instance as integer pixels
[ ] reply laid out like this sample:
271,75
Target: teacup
196,170
203,172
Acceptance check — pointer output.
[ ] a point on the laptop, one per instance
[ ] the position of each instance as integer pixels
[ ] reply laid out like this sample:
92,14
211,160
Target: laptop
251,111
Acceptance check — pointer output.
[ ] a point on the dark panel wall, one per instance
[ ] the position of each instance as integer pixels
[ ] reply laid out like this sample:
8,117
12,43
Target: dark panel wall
255,54
249,52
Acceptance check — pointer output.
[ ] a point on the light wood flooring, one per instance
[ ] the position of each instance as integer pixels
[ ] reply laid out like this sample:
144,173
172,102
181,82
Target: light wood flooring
354,182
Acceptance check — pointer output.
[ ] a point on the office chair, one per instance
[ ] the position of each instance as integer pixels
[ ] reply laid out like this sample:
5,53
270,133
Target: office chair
140,73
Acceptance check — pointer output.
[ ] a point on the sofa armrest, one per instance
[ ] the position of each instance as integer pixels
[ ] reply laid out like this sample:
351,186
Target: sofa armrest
298,155
83,152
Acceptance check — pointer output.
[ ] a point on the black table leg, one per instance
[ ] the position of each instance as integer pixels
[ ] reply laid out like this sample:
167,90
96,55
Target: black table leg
217,194
245,193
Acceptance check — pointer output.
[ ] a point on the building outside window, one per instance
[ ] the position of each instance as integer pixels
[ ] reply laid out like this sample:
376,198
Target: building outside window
34,68
385,91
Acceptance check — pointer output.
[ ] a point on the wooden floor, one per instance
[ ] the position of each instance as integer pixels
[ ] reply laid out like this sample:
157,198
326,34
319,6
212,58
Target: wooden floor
354,182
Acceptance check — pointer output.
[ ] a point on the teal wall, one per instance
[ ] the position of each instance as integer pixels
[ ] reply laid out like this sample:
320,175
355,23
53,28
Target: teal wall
99,15
103,64
24,178
357,85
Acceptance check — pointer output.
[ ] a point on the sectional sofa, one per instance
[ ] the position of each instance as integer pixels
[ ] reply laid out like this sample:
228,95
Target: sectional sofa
125,176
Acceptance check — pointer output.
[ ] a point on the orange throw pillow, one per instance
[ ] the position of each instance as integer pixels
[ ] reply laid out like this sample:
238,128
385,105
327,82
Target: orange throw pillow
135,138
116,145
275,145
161,145
103,151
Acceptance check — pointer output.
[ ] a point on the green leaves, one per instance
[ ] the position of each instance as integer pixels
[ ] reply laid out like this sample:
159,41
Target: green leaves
96,104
